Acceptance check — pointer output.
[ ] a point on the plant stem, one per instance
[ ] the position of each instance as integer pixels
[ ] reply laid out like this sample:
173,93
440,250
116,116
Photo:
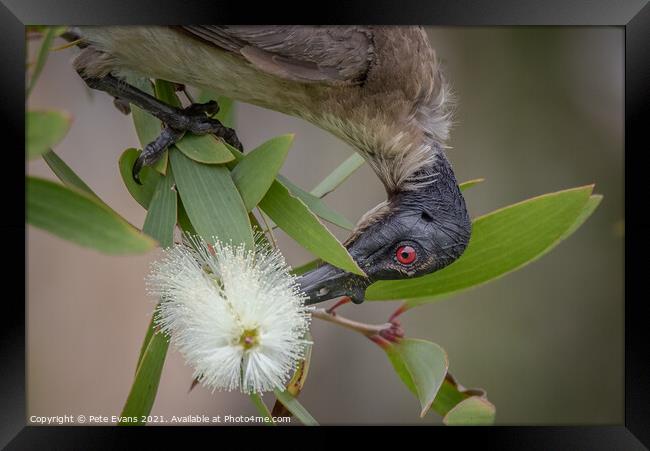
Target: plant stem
369,330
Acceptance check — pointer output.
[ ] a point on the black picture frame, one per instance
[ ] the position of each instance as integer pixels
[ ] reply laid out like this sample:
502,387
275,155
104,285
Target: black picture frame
632,15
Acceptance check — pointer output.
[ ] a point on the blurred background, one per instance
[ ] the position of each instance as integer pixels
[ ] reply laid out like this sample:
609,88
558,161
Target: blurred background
539,110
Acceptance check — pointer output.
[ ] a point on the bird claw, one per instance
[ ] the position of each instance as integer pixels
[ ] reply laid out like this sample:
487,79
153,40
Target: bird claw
154,150
210,108
193,119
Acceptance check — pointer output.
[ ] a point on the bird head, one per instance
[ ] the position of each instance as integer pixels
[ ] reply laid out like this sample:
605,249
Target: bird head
415,232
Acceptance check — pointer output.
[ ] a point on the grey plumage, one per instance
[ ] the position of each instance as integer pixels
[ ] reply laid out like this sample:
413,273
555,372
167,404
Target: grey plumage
306,54
378,88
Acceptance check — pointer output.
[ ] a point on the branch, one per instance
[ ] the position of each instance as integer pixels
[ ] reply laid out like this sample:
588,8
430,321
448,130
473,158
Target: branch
390,331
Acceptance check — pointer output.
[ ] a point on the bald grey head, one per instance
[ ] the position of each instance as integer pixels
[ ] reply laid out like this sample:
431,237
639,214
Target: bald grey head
414,233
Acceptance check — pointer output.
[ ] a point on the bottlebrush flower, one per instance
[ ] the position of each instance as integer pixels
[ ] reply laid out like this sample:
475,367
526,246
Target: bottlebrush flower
236,315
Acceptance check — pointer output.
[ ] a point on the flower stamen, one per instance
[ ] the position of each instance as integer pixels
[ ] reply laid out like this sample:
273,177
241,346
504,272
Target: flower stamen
249,339
235,314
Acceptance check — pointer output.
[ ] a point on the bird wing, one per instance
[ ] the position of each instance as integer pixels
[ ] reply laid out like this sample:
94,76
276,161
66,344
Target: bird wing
309,54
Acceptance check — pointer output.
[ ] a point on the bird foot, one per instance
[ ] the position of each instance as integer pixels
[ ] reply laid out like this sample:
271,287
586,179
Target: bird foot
194,118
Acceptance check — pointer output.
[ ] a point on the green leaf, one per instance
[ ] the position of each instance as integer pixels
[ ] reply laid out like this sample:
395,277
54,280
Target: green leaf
211,200
184,221
470,183
502,241
293,406
473,411
453,396
317,206
66,174
314,204
147,127
255,172
338,175
421,365
148,176
147,378
143,392
45,129
450,396
161,216
261,408
204,149
593,202
166,91
292,215
41,58
76,216
147,337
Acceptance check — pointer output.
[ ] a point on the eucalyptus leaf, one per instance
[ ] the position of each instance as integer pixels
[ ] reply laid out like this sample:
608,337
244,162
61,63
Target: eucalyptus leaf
255,172
166,91
211,200
66,174
143,392
421,365
473,411
48,37
293,406
79,217
183,220
317,206
338,175
294,217
148,176
147,337
502,241
161,216
453,396
44,130
314,204
147,127
147,378
261,408
591,205
204,149
470,183
450,396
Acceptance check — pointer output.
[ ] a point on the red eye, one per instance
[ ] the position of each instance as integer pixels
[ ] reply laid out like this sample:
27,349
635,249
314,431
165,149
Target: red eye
406,255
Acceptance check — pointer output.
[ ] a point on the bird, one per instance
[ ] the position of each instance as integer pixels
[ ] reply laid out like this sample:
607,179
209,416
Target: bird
380,89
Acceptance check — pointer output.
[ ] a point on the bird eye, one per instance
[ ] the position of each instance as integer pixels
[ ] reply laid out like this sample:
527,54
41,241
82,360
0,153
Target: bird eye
406,255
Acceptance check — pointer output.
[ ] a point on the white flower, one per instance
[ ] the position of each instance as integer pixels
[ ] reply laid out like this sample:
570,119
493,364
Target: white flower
237,316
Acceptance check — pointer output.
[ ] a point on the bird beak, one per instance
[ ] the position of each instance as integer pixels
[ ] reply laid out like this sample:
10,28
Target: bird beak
329,282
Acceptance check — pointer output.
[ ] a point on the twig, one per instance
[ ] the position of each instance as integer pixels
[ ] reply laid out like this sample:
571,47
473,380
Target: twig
369,330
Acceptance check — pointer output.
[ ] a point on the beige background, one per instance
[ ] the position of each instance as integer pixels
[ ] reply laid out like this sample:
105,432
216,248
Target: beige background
540,109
